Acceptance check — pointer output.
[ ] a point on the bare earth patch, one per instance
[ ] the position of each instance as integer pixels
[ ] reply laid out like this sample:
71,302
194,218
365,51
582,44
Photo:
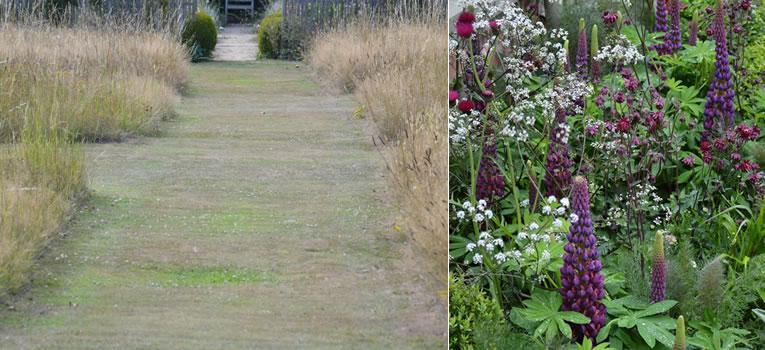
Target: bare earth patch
256,221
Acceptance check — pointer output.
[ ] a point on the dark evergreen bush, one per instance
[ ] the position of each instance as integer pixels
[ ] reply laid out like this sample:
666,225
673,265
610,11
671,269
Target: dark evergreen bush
200,35
269,35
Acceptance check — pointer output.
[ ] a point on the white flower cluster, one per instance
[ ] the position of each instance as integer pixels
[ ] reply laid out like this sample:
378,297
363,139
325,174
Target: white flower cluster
476,213
646,198
622,52
487,245
462,124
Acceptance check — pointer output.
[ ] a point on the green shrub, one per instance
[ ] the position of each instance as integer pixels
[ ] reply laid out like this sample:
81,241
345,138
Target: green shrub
200,35
269,35
477,322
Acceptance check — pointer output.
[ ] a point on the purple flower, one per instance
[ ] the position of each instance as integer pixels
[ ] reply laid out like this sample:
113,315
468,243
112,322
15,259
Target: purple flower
718,111
659,269
693,33
558,166
581,52
673,36
581,279
490,183
660,23
609,17
688,161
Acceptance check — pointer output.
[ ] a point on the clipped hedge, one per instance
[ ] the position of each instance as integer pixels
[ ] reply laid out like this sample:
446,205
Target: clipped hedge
200,35
269,35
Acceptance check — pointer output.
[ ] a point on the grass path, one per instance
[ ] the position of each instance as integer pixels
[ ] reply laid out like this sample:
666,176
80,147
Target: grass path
256,221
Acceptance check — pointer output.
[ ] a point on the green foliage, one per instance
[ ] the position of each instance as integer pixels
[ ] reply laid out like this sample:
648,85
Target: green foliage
587,345
543,309
712,337
200,35
630,313
751,241
476,321
709,287
681,277
693,65
269,35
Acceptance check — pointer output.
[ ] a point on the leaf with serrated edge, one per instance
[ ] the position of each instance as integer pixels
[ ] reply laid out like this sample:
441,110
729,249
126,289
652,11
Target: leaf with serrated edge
574,317
656,308
564,328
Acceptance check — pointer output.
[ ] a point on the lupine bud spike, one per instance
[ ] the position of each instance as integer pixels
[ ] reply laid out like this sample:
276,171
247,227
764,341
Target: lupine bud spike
581,51
659,273
581,280
594,64
566,65
680,335
558,164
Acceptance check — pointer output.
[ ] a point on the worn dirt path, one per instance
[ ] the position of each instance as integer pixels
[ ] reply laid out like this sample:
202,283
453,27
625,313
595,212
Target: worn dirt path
236,42
256,222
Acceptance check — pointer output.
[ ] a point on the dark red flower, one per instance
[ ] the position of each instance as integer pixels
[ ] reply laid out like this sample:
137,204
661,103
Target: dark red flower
623,125
464,29
705,146
466,16
465,106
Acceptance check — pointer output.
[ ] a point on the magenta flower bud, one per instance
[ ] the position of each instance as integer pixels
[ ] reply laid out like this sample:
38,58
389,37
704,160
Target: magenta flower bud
558,163
453,95
581,279
659,269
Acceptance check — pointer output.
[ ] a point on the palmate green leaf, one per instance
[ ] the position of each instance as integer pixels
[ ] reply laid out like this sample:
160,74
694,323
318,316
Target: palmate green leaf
564,328
544,307
574,317
652,330
631,312
656,308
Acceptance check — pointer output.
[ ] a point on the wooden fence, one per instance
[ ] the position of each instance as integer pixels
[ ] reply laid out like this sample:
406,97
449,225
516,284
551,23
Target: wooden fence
302,19
152,11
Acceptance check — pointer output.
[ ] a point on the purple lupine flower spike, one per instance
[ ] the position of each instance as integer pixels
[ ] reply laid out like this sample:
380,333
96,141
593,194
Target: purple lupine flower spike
581,279
558,166
659,269
581,52
673,38
660,22
693,32
490,184
718,111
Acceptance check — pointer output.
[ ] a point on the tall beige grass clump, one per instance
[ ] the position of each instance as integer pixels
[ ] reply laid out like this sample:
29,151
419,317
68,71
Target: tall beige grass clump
398,69
98,84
